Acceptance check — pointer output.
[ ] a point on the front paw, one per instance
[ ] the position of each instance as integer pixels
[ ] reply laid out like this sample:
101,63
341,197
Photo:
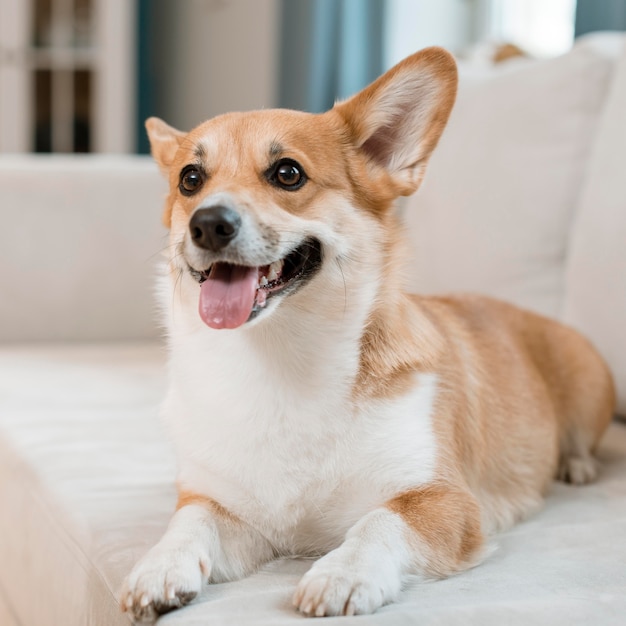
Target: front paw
340,585
162,581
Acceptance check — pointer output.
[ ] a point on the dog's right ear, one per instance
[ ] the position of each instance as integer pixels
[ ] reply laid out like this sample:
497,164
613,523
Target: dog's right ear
164,142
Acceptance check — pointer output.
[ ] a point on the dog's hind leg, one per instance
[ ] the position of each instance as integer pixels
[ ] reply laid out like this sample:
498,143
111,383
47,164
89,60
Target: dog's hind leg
587,410
577,465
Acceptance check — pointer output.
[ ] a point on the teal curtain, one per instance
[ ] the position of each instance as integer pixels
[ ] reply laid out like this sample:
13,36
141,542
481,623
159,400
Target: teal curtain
145,75
594,15
329,50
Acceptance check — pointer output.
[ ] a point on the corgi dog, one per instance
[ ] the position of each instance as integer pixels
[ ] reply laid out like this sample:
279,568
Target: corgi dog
316,408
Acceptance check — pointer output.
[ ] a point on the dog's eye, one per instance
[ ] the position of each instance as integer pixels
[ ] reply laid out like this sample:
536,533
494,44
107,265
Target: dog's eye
191,179
288,174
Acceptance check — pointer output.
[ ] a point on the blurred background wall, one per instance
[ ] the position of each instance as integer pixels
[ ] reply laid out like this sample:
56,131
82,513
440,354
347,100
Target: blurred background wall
82,75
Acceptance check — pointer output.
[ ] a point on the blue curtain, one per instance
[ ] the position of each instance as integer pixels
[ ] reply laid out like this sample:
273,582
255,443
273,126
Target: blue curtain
593,15
329,50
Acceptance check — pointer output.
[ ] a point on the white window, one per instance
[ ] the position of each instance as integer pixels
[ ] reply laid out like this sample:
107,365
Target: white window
67,75
541,27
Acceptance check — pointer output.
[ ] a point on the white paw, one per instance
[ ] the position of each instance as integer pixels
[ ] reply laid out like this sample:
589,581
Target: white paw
337,585
164,579
578,470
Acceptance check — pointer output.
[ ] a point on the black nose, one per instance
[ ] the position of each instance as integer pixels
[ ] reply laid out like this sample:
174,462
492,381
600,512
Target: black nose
214,228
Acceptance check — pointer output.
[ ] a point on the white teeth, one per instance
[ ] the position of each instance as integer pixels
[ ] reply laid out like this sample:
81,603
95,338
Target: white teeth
261,298
275,269
263,281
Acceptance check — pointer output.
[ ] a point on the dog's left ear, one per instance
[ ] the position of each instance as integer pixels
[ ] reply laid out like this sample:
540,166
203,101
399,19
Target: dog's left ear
398,119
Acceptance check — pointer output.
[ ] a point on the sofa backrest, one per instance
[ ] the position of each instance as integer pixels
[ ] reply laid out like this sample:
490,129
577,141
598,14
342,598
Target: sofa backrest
79,246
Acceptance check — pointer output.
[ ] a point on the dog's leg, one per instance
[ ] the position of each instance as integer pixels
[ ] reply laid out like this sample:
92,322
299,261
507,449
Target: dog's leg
203,543
433,531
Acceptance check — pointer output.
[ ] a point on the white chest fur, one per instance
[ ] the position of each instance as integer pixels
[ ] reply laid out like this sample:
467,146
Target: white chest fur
264,420
271,432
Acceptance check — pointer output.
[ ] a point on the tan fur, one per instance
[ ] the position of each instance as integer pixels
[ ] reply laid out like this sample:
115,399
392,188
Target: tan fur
438,69
322,153
525,396
448,523
520,398
507,51
189,497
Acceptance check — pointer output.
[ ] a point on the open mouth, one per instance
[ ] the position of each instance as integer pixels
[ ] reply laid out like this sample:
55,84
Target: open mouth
231,295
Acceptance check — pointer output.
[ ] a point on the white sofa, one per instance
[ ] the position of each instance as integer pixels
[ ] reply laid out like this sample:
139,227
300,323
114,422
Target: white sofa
525,199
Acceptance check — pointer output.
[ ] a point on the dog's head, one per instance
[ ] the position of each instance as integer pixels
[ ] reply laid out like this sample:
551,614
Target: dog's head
270,204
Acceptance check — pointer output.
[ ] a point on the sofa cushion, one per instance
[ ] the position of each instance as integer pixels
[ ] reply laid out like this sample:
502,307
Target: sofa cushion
78,260
494,211
87,486
595,287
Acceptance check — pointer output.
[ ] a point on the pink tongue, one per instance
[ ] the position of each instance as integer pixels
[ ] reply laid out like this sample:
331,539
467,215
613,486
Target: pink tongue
227,295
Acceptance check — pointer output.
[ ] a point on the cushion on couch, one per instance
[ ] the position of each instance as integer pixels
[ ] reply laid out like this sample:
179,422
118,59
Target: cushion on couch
494,211
87,486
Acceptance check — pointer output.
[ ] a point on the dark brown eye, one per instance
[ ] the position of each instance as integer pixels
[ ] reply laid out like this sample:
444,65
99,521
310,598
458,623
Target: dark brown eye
191,179
288,174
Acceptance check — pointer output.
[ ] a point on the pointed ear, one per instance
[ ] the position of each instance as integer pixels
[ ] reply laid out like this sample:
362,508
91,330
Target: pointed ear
398,119
164,141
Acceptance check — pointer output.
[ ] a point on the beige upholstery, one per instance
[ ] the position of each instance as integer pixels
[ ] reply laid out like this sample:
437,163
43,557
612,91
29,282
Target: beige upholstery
87,486
524,200
494,212
81,240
